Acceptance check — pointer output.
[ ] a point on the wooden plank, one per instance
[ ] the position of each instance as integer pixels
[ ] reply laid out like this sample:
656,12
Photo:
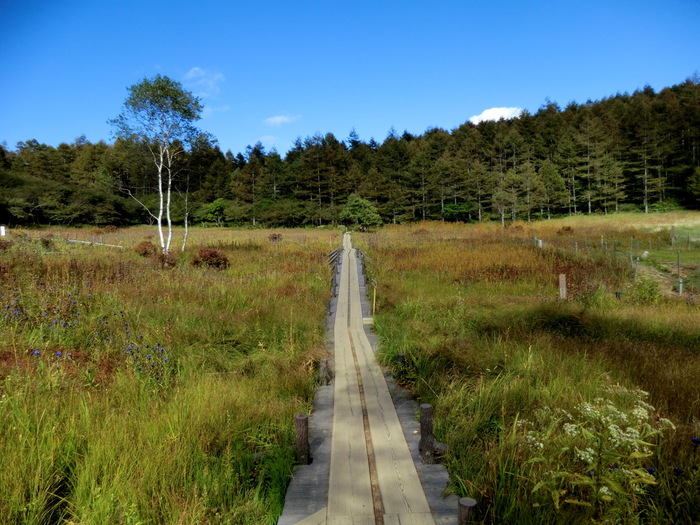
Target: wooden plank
409,519
350,492
318,518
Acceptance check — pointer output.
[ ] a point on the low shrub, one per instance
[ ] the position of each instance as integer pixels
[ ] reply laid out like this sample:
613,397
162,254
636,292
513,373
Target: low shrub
146,249
165,260
211,258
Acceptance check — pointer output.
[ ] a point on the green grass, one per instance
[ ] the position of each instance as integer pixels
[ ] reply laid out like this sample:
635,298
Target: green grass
134,394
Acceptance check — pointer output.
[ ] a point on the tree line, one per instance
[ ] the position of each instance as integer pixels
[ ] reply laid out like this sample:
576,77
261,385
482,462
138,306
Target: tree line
638,151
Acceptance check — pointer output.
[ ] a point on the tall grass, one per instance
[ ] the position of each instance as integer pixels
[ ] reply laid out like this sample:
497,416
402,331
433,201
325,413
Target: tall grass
578,411
137,394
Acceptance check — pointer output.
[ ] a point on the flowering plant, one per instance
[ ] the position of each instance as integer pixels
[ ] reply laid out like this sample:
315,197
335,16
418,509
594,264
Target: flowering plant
599,455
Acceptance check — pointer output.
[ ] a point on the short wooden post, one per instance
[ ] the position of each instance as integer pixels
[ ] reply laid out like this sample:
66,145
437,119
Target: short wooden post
562,287
539,243
680,287
323,372
2,231
467,506
427,440
301,425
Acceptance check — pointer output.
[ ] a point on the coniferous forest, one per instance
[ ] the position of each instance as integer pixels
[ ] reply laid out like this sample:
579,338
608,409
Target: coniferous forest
627,152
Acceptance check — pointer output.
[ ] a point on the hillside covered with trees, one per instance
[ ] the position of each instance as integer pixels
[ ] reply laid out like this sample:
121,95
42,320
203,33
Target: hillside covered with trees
637,151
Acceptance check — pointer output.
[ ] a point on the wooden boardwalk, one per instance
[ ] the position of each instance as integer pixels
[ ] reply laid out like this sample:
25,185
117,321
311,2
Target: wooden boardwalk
373,479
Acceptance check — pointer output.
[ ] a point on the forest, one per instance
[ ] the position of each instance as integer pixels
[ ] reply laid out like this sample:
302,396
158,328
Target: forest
627,152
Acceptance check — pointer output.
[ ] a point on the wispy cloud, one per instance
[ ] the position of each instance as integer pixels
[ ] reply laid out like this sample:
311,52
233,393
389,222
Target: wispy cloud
204,83
279,120
496,114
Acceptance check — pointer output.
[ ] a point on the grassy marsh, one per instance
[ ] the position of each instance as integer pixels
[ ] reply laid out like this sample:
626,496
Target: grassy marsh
578,411
136,394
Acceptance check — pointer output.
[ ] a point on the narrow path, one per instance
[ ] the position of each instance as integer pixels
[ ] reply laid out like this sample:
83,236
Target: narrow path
373,479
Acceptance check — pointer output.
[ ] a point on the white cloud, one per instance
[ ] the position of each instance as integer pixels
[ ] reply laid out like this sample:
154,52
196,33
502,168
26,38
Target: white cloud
278,120
496,114
204,83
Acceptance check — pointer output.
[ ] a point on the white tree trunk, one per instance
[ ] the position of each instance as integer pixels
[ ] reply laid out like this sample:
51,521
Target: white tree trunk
161,204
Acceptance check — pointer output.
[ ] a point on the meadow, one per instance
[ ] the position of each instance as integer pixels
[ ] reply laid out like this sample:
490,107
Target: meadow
582,410
138,392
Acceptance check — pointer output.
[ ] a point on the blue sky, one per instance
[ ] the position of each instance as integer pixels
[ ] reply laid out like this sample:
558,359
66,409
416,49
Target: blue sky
272,71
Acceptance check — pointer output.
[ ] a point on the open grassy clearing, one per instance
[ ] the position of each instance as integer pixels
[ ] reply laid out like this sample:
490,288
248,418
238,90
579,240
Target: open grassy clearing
583,411
136,394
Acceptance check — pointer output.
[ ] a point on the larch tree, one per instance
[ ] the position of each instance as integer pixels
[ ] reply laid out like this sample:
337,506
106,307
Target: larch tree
160,114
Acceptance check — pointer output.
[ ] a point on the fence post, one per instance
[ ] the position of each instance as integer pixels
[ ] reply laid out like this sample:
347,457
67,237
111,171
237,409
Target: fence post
301,425
466,511
562,287
427,440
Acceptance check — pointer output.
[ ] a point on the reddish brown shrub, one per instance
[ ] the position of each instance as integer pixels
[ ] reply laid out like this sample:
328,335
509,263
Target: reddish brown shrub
165,260
211,258
146,249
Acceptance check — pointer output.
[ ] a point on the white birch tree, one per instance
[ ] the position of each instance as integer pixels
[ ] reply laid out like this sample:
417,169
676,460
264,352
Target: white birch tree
161,114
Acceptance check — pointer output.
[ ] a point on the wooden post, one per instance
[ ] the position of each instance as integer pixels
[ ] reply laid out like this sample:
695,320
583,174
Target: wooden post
301,425
466,511
680,287
427,440
323,372
562,287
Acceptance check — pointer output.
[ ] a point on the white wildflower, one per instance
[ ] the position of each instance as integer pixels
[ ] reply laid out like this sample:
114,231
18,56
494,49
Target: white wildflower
571,429
587,455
